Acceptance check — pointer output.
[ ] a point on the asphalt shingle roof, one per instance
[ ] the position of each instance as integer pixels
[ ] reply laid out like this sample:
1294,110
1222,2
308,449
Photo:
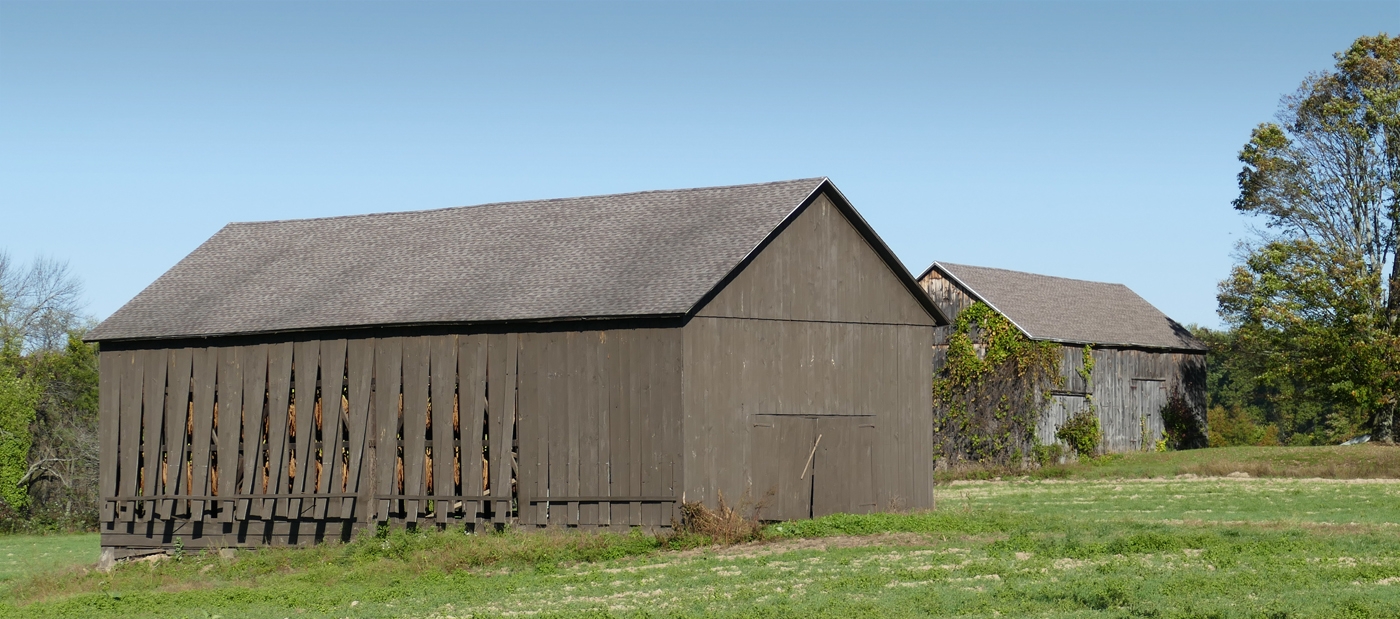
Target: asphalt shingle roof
636,254
1073,310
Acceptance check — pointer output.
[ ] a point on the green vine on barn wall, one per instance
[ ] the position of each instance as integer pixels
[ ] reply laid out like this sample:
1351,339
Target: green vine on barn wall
992,391
1086,371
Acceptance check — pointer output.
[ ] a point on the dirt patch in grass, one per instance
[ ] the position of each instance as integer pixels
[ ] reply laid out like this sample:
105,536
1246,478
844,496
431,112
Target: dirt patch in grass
764,548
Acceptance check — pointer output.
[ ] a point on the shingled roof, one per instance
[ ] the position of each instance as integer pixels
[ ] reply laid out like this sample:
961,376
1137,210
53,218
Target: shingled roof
1071,310
653,253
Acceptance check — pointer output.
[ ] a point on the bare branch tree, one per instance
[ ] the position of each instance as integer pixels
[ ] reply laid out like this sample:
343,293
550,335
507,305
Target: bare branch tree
39,303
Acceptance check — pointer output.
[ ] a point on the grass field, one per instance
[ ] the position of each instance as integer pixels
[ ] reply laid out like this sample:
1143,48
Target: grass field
1353,462
1079,545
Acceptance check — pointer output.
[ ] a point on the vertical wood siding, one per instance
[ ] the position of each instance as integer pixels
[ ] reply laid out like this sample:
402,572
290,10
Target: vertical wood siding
1128,388
758,392
297,442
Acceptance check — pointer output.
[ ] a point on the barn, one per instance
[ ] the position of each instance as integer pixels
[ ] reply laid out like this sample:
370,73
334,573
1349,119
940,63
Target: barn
1139,358
587,362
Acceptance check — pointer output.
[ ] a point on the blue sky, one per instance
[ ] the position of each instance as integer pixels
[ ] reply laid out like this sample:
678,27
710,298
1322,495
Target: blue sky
1087,140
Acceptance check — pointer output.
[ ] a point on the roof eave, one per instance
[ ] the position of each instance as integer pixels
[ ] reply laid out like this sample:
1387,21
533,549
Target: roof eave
1156,347
464,325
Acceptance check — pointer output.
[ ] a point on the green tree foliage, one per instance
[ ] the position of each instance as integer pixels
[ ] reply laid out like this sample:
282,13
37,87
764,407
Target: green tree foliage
63,457
989,395
18,396
48,400
1314,305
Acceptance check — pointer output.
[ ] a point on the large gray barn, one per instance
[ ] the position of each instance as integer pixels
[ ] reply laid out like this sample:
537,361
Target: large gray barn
1140,356
582,362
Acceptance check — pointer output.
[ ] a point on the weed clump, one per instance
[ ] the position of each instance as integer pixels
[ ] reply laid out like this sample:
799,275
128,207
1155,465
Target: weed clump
724,525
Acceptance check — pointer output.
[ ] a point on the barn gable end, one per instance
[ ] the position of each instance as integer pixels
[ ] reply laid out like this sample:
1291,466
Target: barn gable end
812,357
820,267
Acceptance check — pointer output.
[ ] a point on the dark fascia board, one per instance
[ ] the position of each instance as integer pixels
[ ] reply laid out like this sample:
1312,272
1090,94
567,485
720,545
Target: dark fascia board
1115,345
667,321
861,226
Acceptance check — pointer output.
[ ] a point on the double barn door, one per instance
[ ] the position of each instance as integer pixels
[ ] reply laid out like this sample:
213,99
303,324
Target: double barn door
808,467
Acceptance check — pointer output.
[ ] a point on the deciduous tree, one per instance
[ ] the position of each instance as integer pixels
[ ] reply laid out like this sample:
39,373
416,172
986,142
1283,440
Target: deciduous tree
1316,298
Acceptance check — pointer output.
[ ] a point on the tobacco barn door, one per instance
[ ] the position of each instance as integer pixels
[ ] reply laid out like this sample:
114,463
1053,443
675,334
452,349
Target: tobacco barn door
806,467
841,467
1148,396
782,482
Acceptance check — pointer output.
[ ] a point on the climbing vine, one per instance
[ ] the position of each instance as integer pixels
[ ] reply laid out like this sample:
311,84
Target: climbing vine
1086,372
992,390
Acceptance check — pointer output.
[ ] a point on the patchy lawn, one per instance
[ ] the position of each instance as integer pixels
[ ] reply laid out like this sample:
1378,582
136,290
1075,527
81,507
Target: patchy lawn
22,556
1366,461
1139,546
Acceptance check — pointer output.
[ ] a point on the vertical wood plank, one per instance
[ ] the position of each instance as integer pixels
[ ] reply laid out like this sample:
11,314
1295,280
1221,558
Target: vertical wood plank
504,430
669,377
254,364
497,392
205,362
540,413
109,379
360,374
177,403
471,412
153,420
230,423
415,419
583,408
388,372
651,465
573,395
306,369
443,375
279,386
332,389
130,440
619,449
555,399
527,424
636,365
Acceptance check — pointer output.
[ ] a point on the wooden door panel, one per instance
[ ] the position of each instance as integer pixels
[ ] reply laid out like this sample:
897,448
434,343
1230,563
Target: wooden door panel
843,466
779,449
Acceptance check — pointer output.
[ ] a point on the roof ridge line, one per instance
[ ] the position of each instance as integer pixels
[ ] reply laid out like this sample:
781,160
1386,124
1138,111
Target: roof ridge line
1072,279
818,179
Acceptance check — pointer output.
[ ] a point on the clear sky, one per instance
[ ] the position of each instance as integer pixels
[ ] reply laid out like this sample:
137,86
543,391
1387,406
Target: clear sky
1087,140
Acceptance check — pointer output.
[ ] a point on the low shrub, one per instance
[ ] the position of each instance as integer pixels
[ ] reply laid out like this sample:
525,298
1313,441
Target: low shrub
1235,426
1046,455
1181,427
1081,432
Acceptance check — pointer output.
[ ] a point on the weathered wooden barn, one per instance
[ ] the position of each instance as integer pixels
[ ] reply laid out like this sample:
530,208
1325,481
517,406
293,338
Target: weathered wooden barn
1140,357
586,362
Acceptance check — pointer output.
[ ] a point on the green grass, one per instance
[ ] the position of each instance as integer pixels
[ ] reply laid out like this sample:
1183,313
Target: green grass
1364,461
1140,546
23,556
